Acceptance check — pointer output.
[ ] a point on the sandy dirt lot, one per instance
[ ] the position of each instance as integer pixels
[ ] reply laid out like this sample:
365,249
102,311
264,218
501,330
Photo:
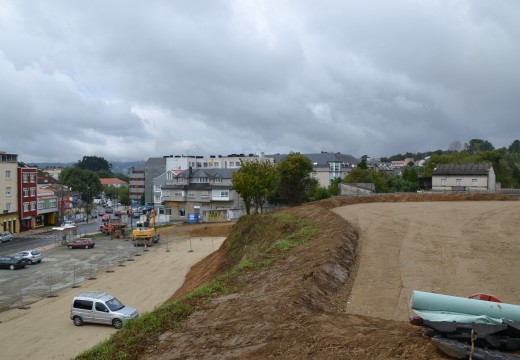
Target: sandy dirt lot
344,294
45,331
444,247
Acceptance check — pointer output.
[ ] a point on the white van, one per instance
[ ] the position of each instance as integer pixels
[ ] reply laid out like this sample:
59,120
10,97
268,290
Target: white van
100,308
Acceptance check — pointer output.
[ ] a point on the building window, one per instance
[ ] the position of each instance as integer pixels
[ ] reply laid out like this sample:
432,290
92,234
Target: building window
41,204
191,194
216,164
220,195
443,182
33,192
474,182
458,182
33,205
25,206
231,164
178,193
32,178
180,180
8,191
25,177
53,203
334,166
204,195
182,212
25,192
8,174
218,180
157,199
8,207
169,176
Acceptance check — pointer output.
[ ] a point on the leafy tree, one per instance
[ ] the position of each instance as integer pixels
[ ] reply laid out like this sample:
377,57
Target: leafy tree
334,187
317,192
295,178
93,163
358,175
476,145
254,182
363,163
84,181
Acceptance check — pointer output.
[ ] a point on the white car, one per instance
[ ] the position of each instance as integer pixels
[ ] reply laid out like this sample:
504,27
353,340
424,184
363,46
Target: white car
5,236
31,256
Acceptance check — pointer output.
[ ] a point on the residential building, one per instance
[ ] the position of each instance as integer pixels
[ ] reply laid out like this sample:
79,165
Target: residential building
54,201
206,192
113,182
464,177
154,167
27,196
48,209
136,184
327,166
9,217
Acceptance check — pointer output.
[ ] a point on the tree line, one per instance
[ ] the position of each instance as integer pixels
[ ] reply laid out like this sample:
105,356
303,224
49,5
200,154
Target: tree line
290,182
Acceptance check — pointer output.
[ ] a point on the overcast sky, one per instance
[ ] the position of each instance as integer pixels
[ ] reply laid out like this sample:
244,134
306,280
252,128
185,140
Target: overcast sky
129,80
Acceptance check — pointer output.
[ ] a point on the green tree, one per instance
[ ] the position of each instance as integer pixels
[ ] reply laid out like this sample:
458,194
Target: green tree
254,182
476,145
357,175
295,178
363,163
84,181
317,192
93,163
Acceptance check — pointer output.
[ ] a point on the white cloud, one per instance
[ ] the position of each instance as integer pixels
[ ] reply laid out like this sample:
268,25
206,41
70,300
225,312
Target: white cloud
130,80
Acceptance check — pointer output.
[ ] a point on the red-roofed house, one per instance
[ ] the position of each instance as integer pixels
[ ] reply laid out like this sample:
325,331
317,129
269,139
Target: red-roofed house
114,182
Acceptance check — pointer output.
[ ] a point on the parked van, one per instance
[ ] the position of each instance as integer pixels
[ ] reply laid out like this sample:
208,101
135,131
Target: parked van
100,308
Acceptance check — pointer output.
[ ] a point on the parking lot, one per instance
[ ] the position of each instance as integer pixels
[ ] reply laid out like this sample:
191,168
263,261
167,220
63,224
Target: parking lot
64,268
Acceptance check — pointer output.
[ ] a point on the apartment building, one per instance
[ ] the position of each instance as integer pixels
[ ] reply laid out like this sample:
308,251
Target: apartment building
9,217
27,196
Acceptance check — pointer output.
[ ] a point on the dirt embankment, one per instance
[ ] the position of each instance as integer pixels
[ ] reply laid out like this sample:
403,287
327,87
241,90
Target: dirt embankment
297,308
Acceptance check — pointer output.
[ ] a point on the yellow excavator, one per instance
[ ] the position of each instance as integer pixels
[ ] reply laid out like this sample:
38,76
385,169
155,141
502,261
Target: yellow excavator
145,233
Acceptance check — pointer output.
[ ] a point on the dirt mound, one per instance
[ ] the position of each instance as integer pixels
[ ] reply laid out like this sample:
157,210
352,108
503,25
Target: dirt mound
294,309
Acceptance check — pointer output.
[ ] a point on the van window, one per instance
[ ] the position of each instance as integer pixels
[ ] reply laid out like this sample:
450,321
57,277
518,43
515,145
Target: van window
83,304
101,307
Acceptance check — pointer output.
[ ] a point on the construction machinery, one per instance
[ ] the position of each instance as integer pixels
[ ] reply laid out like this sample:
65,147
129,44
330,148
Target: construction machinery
145,234
114,228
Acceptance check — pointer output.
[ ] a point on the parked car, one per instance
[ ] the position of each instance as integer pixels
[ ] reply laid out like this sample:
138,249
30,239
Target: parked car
5,236
101,308
68,223
81,243
32,256
109,210
12,262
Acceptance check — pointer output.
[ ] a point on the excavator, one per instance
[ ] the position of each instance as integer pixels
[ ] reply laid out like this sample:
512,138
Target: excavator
145,234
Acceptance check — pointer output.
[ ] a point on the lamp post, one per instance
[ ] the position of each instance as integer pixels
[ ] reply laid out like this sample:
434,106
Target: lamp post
88,201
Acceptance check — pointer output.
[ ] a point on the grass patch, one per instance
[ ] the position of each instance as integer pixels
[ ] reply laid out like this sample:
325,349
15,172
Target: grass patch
255,242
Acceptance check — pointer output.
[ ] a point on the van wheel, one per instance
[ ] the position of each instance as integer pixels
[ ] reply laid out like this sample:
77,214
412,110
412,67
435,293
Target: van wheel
77,321
117,323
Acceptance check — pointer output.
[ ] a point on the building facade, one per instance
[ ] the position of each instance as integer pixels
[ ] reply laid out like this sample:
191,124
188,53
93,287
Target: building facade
206,192
464,178
27,197
136,184
9,217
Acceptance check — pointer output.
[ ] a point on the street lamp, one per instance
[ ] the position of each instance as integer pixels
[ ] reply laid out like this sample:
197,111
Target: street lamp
88,201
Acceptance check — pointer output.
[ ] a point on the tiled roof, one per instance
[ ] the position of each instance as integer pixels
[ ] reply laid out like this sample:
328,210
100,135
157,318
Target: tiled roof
462,169
110,181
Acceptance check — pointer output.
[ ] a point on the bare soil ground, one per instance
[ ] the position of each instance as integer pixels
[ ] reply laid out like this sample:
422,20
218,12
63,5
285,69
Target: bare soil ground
342,295
345,293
